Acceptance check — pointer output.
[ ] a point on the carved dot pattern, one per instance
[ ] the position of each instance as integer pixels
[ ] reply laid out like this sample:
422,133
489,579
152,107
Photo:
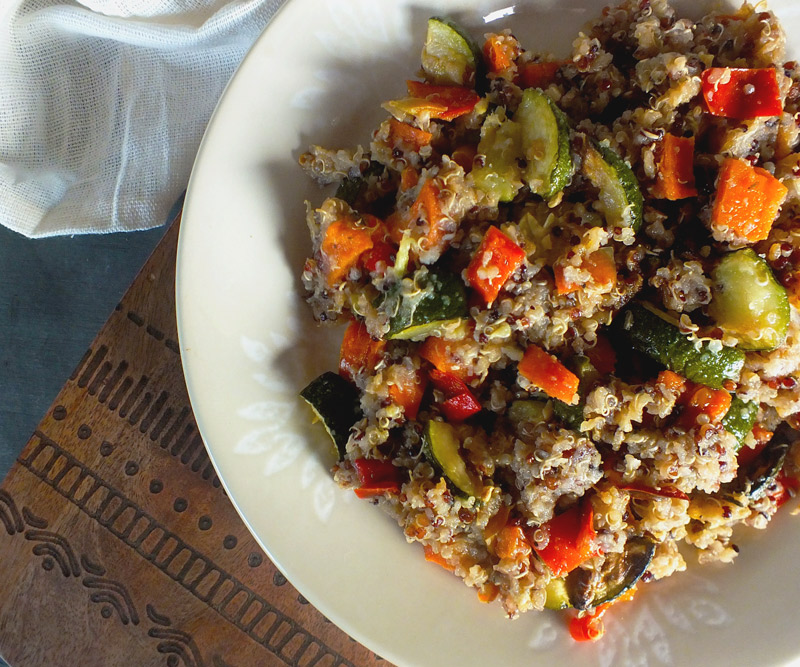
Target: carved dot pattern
180,504
278,579
106,612
172,661
230,542
84,432
59,413
156,486
106,448
204,523
255,559
131,468
48,564
301,599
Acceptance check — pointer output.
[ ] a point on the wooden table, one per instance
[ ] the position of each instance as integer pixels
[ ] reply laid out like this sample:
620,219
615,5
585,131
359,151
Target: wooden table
118,544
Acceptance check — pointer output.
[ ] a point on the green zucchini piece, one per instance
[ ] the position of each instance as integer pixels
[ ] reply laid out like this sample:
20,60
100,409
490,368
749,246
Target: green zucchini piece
500,176
748,302
620,571
336,402
545,144
620,197
650,332
740,418
450,56
754,480
440,298
532,411
440,446
557,594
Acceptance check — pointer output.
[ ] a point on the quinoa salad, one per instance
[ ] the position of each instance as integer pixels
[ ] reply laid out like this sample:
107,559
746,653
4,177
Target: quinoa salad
568,291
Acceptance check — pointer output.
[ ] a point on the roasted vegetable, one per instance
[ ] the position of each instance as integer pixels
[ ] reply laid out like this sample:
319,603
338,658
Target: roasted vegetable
440,445
336,402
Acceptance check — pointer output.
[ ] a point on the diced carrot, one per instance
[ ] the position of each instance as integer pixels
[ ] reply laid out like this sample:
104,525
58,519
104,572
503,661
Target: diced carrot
701,402
443,102
440,353
671,381
426,207
590,627
537,75
488,592
434,557
747,202
734,92
406,389
498,520
761,435
343,244
548,374
500,52
360,352
511,543
675,168
601,267
464,156
495,260
412,136
602,355
409,177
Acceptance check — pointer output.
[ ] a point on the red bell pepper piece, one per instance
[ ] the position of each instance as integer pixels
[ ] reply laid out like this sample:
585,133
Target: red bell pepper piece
381,252
458,408
459,402
602,355
359,352
742,93
699,400
572,540
448,102
496,259
377,477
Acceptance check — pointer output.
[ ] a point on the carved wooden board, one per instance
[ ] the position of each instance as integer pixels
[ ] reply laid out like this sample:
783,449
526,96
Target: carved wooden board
118,545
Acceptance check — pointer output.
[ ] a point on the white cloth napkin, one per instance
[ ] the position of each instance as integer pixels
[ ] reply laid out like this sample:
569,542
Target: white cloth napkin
103,104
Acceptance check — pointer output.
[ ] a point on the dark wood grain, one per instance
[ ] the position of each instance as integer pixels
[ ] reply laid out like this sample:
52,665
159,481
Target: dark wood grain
118,544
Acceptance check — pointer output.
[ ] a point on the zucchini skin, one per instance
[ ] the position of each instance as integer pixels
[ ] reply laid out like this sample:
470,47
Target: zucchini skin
740,418
445,299
336,402
649,333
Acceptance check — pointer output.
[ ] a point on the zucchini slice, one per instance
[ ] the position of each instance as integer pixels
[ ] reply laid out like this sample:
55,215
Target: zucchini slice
740,418
545,144
748,302
755,479
439,298
527,410
500,176
450,56
440,446
590,588
557,594
620,197
650,332
336,402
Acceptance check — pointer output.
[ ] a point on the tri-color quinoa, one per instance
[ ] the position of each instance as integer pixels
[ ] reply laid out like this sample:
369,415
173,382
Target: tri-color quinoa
570,291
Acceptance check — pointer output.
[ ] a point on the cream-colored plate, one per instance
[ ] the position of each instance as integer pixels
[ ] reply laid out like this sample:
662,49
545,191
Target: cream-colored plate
318,74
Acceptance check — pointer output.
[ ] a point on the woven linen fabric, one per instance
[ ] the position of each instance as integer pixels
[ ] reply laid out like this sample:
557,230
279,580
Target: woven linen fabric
103,104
